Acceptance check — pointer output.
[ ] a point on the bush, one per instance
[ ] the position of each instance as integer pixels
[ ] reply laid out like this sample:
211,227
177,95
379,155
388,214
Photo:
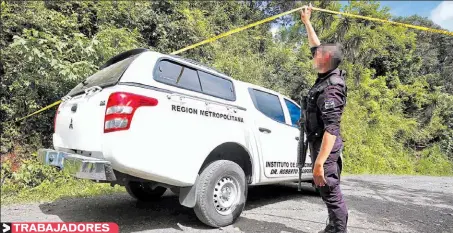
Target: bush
27,173
27,180
433,162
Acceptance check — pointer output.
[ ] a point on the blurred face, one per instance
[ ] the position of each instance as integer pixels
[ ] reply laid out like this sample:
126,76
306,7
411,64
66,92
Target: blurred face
321,61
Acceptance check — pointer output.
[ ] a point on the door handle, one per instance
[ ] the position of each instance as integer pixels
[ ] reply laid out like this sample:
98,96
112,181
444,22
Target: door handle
264,130
297,138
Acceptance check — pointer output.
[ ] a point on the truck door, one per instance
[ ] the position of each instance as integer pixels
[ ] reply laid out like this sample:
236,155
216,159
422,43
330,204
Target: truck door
294,115
277,140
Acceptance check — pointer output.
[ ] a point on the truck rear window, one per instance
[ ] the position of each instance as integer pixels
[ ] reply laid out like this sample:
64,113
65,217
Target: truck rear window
185,77
216,86
106,77
177,75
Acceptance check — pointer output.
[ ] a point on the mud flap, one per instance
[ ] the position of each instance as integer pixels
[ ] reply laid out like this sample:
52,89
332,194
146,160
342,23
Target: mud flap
187,195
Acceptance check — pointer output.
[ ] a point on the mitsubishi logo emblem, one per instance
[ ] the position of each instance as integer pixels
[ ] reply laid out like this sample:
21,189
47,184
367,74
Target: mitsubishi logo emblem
70,124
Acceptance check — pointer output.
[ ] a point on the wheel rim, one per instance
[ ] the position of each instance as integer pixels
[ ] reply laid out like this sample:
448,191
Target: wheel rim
226,195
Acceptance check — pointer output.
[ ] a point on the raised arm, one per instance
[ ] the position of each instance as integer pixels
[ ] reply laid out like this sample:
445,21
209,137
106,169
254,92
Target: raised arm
305,15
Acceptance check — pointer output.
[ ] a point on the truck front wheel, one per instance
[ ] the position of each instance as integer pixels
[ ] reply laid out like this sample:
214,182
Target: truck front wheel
221,193
143,191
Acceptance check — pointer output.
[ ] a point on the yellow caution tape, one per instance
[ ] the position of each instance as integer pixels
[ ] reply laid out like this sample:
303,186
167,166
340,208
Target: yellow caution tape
212,39
42,109
386,21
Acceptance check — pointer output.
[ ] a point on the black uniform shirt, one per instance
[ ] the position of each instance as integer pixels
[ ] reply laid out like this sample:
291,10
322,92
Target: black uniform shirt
331,101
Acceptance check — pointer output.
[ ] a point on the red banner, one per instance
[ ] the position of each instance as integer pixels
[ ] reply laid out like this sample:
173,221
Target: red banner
67,227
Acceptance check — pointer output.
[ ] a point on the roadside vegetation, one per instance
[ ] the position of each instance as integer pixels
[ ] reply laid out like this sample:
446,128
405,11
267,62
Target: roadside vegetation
31,181
399,116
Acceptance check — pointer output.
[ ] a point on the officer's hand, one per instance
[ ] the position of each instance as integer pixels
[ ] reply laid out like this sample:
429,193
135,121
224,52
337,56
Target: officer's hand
305,14
318,175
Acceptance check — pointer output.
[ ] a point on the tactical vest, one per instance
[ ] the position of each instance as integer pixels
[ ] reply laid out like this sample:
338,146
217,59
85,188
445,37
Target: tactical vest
314,125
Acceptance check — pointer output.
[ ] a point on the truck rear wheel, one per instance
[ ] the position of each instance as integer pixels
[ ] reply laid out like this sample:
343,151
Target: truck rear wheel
143,191
221,193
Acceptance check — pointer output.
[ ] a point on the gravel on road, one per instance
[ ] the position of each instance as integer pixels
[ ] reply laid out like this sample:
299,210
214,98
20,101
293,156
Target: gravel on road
375,203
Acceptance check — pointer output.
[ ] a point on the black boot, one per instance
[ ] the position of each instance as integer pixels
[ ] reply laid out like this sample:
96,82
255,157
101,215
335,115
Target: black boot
330,228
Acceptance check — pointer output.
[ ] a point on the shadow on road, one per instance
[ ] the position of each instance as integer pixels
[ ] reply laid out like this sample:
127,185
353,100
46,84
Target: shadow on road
389,208
133,216
416,209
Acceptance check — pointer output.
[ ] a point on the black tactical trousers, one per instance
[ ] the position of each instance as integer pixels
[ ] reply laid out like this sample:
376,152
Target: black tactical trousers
331,193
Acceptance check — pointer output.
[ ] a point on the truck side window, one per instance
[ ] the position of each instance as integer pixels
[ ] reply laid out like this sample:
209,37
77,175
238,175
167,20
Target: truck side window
178,75
294,112
216,86
269,105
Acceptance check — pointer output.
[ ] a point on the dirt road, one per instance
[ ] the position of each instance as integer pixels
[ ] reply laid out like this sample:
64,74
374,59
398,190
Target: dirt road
376,204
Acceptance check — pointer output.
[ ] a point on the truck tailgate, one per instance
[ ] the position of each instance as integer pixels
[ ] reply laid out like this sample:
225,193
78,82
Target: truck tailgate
79,122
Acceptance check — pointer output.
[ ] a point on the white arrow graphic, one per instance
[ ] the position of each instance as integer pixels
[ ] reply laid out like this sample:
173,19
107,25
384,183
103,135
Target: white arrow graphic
6,228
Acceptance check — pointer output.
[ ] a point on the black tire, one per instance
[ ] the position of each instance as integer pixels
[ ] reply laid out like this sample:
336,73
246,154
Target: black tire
225,175
142,191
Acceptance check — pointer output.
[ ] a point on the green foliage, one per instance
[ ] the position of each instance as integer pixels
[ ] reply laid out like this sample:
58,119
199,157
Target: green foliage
43,61
374,130
51,191
32,181
431,162
399,117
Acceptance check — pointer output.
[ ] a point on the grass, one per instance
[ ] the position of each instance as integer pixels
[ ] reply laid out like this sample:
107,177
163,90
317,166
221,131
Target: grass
51,191
27,180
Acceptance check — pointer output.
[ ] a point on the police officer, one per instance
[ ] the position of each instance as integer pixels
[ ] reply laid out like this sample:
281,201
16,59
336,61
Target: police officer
325,103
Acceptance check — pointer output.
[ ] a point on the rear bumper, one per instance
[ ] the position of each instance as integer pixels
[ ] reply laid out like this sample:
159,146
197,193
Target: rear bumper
79,166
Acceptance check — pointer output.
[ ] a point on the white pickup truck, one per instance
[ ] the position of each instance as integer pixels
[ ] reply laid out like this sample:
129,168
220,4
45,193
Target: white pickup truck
152,122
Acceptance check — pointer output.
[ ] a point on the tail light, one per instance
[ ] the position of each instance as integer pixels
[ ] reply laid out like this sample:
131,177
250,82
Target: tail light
55,119
120,109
